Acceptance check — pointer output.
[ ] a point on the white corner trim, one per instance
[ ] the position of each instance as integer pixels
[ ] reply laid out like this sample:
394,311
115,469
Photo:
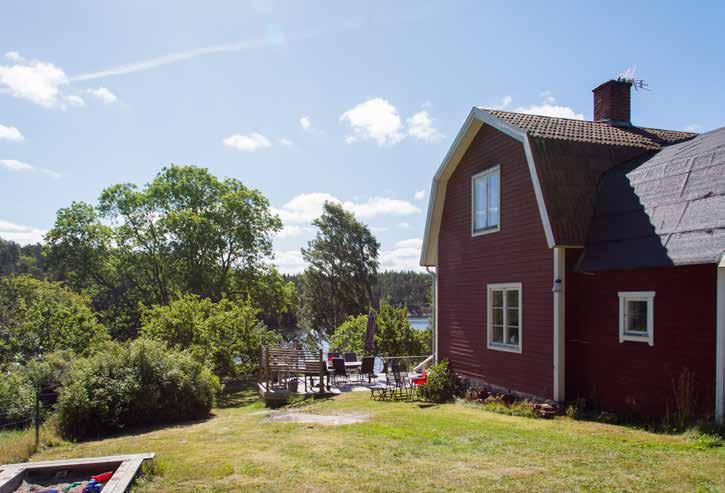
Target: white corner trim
649,297
720,344
477,117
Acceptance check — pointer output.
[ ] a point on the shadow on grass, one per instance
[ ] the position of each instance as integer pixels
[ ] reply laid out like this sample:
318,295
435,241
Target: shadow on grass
238,394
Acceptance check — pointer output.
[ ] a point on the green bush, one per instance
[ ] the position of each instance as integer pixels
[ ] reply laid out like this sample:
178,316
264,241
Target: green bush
17,397
38,317
225,335
441,383
350,335
134,384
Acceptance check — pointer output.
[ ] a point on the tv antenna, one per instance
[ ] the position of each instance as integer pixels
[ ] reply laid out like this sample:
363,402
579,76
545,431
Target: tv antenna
628,76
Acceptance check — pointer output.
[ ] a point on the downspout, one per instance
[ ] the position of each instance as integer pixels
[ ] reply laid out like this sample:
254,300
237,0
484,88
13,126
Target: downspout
434,314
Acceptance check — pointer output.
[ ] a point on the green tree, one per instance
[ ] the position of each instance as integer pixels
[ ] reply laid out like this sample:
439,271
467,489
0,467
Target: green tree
184,232
343,260
226,334
38,317
350,335
394,335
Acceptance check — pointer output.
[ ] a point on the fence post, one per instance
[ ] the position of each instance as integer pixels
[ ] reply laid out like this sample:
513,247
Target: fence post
37,417
322,373
266,372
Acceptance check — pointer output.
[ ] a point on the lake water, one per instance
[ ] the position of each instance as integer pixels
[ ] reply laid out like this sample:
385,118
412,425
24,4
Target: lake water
419,323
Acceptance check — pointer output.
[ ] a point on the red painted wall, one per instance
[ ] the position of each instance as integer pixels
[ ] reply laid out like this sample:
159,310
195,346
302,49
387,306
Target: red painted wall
516,253
633,376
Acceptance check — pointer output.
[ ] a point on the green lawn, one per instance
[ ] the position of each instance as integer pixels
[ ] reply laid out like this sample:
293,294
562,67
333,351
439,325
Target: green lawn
409,447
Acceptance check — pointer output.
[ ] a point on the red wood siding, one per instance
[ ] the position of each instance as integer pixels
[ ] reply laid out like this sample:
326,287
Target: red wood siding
516,253
632,377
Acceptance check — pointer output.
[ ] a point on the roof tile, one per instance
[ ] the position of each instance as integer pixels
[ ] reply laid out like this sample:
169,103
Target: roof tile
592,132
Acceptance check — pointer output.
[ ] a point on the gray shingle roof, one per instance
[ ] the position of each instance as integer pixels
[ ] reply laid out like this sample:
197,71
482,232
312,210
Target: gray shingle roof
666,209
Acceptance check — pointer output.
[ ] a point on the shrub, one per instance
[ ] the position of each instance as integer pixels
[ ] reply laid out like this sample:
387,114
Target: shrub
17,397
39,317
350,335
225,335
441,383
134,384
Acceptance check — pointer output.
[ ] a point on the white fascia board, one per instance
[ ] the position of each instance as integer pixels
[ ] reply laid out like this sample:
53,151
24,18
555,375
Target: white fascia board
477,117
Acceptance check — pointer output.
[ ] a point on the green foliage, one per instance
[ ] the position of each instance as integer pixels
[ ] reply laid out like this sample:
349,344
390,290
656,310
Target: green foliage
133,384
350,335
16,259
185,231
394,335
409,289
38,317
225,335
17,397
441,383
343,260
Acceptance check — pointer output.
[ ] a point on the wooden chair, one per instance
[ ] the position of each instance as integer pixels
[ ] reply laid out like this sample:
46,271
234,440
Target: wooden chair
338,367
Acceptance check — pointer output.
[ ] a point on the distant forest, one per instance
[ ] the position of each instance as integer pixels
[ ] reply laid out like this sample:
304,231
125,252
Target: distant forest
410,289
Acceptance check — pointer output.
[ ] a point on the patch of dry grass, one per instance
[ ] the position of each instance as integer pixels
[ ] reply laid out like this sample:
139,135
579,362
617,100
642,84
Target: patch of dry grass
18,446
407,447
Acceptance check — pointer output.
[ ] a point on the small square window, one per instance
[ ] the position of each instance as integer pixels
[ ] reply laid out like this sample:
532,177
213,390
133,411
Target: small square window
636,316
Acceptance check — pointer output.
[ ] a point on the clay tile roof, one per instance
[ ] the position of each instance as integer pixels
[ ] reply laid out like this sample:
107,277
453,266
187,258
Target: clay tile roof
591,132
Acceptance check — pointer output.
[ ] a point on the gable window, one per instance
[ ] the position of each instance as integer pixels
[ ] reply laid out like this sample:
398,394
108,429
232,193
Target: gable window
636,316
504,317
486,201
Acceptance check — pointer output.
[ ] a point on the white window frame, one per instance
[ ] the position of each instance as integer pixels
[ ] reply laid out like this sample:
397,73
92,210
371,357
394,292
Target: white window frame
483,174
497,346
649,297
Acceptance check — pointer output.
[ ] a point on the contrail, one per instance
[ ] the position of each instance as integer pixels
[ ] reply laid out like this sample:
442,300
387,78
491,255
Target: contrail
174,58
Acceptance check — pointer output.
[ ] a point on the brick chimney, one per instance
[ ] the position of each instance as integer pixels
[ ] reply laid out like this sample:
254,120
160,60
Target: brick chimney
612,102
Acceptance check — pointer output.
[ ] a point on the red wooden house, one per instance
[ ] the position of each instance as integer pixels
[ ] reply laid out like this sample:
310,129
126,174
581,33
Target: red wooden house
582,259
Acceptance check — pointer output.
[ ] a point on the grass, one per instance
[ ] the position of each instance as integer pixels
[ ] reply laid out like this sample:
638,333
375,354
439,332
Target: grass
409,447
19,445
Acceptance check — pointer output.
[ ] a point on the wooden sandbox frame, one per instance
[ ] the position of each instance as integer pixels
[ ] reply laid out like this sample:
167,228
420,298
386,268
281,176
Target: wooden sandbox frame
125,469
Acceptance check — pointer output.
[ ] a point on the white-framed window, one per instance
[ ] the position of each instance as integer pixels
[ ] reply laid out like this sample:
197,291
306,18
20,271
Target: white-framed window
504,328
636,316
486,201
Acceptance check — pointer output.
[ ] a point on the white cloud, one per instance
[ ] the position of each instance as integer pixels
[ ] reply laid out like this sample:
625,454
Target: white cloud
375,119
286,142
306,207
546,109
381,206
405,255
103,94
13,56
75,101
15,165
305,122
249,143
404,225
10,133
289,261
291,231
419,195
692,127
420,126
33,80
20,233
505,103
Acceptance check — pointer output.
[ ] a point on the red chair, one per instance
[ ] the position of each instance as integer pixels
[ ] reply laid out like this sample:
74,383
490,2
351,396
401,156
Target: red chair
418,382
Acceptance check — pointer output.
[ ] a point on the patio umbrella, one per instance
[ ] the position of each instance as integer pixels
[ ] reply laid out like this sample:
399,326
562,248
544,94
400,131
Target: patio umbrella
370,333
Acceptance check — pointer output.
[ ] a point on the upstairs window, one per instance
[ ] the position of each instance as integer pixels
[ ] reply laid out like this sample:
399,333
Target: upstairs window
504,317
486,201
636,316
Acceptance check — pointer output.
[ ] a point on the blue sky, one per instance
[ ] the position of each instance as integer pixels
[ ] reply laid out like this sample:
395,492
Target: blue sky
314,100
